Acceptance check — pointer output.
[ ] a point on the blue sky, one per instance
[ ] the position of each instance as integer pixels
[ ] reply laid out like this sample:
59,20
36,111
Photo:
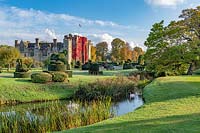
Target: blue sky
101,20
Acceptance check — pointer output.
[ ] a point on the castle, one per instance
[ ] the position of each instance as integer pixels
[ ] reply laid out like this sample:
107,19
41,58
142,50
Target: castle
78,48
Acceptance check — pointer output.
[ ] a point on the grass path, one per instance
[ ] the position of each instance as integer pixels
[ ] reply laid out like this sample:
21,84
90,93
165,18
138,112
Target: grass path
172,105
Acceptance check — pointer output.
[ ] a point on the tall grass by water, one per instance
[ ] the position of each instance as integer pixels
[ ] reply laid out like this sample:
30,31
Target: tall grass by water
55,116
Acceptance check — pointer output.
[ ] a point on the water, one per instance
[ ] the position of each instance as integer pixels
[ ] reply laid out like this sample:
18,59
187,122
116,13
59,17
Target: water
128,105
120,108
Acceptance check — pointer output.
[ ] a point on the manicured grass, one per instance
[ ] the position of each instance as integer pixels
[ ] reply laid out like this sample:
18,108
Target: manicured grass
172,105
23,90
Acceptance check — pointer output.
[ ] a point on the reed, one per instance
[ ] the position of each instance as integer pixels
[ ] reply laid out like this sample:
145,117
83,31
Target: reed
116,88
56,116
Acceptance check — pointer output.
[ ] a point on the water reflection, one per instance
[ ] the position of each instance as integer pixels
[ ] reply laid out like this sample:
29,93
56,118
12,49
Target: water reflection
128,105
120,108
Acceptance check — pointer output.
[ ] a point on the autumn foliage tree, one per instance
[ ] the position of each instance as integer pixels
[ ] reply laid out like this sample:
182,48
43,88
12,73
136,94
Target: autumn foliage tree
93,53
8,55
102,50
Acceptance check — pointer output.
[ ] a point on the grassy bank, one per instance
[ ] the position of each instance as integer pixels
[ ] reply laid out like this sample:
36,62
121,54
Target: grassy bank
172,105
23,90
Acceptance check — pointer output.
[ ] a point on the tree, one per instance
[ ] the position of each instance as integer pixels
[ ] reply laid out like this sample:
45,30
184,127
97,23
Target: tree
102,50
117,45
8,55
93,53
137,51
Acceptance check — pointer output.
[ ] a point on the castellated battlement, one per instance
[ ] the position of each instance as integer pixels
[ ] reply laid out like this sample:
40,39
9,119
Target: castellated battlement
78,48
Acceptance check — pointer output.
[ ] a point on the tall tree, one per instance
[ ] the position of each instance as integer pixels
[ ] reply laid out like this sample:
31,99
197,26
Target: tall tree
102,50
137,51
8,55
93,53
117,44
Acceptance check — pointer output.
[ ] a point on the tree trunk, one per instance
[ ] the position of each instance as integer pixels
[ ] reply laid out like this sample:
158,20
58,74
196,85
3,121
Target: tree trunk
191,68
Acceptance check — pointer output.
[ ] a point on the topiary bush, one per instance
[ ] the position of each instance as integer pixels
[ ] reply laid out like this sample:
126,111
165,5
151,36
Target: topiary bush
22,74
41,77
69,73
56,67
59,76
21,70
128,66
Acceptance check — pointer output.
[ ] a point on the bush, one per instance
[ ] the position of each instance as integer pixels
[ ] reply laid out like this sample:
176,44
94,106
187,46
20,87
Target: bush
128,66
41,77
59,76
86,66
56,67
22,74
69,73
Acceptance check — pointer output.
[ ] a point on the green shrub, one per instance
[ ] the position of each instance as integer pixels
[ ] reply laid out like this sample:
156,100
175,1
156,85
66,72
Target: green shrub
22,74
56,67
41,77
59,76
69,73
128,66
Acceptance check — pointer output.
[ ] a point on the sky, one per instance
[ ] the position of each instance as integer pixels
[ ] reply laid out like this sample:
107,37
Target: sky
99,20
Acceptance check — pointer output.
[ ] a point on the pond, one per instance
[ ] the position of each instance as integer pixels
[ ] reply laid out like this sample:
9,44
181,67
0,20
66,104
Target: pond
62,115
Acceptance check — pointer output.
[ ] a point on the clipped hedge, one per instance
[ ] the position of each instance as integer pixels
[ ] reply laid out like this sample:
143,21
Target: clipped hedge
69,73
22,74
59,76
57,67
41,77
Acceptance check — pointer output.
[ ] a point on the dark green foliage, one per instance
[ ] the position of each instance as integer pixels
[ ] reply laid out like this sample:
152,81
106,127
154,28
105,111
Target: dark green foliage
21,67
56,67
57,62
41,77
1,70
140,67
128,66
86,66
22,74
117,89
21,70
94,69
78,64
69,73
59,76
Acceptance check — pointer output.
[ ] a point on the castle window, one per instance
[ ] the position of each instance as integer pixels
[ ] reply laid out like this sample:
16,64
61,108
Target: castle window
31,53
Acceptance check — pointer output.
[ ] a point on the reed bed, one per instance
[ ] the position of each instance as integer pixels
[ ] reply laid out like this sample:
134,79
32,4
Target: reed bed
55,116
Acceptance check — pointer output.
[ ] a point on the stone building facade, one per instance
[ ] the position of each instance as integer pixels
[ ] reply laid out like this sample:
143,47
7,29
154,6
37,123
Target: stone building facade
78,48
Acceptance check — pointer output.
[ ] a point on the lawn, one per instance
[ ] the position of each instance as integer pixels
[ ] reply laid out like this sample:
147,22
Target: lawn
23,90
172,105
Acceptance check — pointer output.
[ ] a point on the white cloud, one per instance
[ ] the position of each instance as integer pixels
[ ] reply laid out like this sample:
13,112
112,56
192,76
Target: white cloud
102,37
166,3
50,34
27,24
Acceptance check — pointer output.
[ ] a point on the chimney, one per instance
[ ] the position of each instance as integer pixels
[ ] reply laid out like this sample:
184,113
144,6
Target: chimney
16,43
37,42
55,42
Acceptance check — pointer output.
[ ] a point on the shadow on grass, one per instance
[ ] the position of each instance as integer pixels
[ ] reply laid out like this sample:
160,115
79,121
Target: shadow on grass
176,123
23,80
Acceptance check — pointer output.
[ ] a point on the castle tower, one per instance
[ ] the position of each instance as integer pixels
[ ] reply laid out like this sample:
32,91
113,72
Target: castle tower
37,54
89,49
68,46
